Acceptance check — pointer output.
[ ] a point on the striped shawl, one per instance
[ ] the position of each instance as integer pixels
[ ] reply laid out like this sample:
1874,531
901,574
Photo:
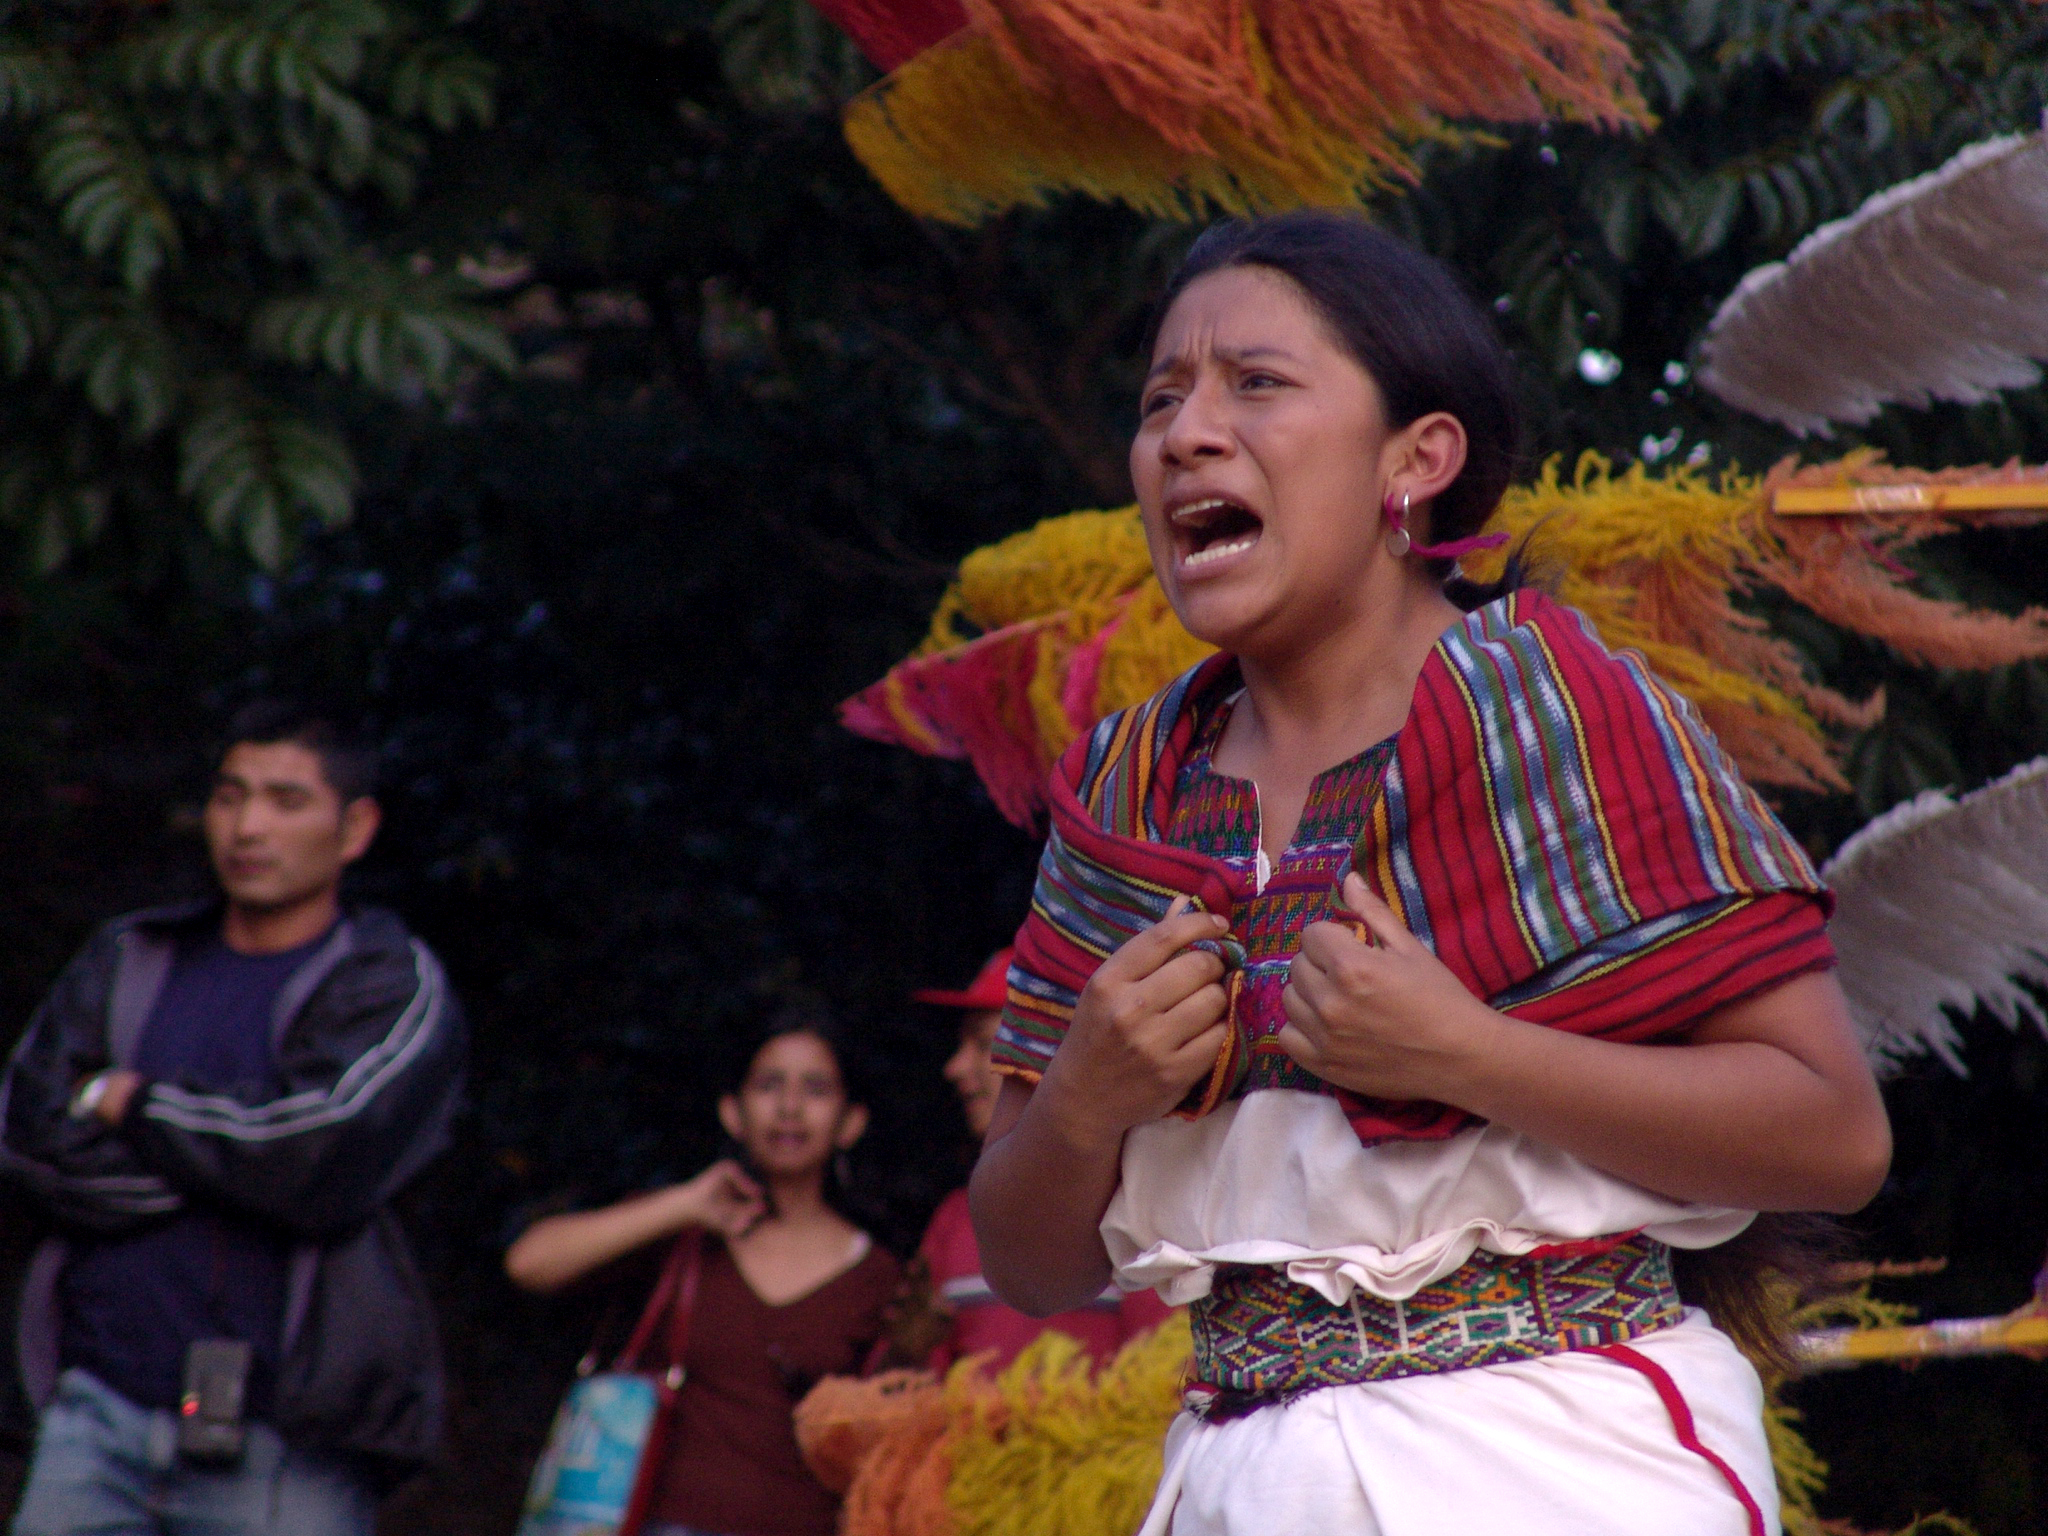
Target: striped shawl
1557,826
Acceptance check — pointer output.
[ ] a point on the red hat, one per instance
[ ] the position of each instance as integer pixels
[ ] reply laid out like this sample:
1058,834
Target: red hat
989,989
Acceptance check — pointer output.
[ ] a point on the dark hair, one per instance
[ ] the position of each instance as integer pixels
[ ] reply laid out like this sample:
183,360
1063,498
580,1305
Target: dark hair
800,1018
347,759
1404,318
806,1016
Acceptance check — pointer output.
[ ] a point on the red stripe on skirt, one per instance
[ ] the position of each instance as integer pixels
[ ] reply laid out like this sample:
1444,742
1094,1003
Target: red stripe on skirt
1681,1422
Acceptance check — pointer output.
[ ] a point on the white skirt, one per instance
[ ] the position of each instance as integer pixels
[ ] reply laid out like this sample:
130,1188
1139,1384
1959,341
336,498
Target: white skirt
1576,1444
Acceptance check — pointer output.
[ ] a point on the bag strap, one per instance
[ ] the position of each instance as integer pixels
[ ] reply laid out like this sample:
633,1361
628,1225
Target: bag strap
684,1310
675,1291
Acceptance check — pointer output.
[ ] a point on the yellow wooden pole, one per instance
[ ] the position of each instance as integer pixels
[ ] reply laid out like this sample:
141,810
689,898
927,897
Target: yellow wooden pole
1840,500
1825,1349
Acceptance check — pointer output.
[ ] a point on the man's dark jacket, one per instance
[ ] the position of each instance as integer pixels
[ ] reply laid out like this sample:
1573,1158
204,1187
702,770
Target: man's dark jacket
369,1046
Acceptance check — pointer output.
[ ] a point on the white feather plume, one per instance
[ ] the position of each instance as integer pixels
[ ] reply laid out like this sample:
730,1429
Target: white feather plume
1944,904
1935,289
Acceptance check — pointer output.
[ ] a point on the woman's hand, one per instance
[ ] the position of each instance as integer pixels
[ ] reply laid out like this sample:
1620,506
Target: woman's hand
557,1250
1147,1028
1768,1105
1389,1021
721,1199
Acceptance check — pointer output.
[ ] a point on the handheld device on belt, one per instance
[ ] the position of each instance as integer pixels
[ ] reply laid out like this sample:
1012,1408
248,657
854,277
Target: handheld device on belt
210,1423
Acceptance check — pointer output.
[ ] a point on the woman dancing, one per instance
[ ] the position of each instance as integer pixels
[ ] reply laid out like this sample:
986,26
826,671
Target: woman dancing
1406,982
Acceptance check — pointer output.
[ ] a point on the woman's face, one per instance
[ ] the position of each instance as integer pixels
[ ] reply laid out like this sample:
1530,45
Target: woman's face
1260,464
791,1114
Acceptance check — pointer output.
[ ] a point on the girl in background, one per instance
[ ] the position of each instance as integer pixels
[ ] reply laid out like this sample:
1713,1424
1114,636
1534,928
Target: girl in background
789,1290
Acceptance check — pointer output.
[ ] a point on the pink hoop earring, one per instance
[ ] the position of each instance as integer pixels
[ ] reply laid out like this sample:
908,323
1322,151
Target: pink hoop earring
1398,542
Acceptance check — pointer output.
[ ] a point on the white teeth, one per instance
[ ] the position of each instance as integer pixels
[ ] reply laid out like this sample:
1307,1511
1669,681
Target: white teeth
1193,507
1218,551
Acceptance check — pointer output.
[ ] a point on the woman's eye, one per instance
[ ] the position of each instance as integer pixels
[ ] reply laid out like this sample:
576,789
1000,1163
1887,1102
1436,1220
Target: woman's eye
1258,381
1154,403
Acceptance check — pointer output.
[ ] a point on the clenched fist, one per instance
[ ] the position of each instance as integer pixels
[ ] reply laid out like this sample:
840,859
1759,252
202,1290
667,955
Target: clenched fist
1388,1020
1147,1027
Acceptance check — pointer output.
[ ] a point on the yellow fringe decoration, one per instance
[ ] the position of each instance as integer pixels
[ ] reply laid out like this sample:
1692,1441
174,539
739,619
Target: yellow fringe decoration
1656,560
1063,563
1150,644
1059,1449
1178,109
1048,1446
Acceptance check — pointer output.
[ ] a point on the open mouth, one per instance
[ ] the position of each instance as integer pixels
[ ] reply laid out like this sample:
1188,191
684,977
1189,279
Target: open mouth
1211,530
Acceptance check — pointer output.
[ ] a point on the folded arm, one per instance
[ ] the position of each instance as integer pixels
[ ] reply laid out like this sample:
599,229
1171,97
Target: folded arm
79,1170
365,1106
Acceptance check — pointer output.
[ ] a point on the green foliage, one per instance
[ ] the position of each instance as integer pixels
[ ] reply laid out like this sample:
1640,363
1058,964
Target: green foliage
253,467
782,55
384,326
202,203
92,170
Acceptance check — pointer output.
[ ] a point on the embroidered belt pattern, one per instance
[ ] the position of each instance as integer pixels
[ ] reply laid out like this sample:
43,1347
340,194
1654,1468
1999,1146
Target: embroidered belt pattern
1260,1337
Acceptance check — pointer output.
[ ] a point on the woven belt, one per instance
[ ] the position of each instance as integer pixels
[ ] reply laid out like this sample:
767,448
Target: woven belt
1261,1338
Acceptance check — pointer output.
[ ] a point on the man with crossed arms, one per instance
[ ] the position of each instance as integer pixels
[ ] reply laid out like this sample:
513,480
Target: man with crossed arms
214,1107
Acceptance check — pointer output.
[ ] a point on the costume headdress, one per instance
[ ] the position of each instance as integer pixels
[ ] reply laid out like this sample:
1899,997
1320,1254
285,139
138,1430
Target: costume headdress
1182,106
1047,631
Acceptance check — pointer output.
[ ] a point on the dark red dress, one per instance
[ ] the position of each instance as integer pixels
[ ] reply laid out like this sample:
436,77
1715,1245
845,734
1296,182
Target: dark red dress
735,1467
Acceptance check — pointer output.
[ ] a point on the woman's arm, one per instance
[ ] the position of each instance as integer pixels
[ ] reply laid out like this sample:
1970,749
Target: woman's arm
558,1250
1769,1106
1147,1028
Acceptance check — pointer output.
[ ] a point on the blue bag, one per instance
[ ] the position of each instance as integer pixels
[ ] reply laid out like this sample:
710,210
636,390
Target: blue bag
611,1435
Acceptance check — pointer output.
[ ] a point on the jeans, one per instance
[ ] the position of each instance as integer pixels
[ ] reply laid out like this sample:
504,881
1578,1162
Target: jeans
104,1467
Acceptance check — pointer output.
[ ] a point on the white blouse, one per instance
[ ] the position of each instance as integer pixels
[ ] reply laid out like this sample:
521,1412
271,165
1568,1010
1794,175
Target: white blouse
1280,1177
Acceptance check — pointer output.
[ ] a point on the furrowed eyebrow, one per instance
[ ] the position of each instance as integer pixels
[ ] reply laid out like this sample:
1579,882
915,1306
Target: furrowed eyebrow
1246,354
1239,355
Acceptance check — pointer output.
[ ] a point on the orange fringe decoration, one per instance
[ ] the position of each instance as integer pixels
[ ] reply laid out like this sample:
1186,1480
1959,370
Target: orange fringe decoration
1051,1443
1065,622
843,1419
1843,568
1655,561
1237,105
